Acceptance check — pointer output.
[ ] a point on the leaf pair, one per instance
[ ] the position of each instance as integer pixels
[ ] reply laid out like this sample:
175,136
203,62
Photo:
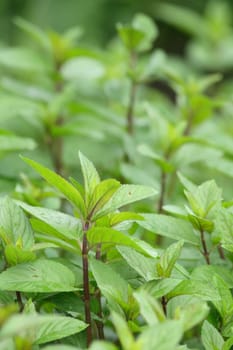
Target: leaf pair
98,198
138,36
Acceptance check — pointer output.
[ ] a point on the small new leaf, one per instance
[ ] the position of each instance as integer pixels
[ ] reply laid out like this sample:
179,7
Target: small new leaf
110,236
90,175
101,195
168,259
125,194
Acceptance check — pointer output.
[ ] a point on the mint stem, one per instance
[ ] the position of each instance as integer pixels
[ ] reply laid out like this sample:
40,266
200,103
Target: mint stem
130,110
164,304
19,300
99,324
86,284
204,246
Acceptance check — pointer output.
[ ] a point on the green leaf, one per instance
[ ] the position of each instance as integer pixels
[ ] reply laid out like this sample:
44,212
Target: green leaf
228,344
219,280
207,273
223,165
183,18
130,37
205,82
167,226
23,60
57,104
100,345
15,227
61,347
199,223
155,65
67,302
109,282
161,287
224,305
145,267
211,338
147,26
168,259
190,310
69,191
102,194
175,211
71,35
159,160
90,175
165,336
82,68
224,228
125,195
74,128
44,245
110,236
68,226
183,347
47,234
23,107
77,185
196,288
39,276
27,91
205,200
41,328
134,174
118,218
140,35
122,329
150,308
11,143
203,107
20,325
191,154
15,255
190,186
56,327
5,299
34,32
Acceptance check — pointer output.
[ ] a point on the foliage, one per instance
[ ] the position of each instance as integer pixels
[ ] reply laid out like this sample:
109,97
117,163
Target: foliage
123,253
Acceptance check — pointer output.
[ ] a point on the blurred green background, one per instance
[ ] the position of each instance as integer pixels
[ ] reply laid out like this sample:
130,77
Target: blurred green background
97,17
196,38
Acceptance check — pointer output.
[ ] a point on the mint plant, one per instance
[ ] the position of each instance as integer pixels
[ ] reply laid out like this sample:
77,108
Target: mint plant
137,38
96,227
121,257
95,204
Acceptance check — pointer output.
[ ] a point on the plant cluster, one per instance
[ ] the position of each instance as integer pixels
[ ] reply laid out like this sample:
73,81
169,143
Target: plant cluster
137,255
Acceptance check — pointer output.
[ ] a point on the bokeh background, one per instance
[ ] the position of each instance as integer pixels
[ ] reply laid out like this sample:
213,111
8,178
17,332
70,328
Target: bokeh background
195,40
97,17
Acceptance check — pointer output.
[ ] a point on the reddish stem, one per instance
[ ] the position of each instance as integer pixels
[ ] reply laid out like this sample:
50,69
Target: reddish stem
86,284
99,324
204,246
19,300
